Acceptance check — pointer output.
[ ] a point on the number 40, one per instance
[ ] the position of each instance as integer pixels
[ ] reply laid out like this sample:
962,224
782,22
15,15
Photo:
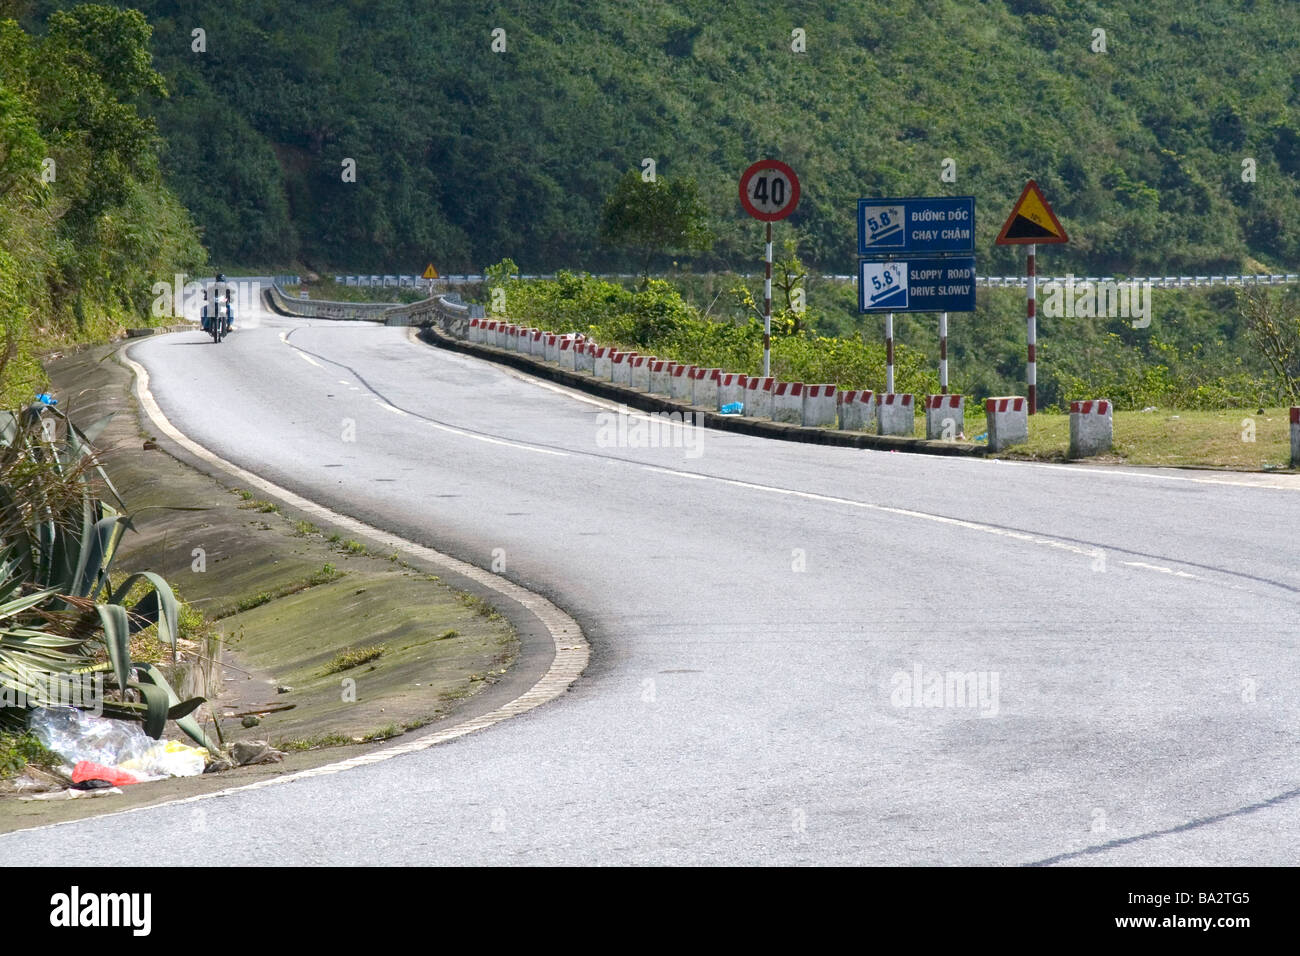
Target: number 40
775,194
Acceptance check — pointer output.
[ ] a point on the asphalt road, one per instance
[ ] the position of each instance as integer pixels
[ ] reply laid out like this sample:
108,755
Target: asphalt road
758,614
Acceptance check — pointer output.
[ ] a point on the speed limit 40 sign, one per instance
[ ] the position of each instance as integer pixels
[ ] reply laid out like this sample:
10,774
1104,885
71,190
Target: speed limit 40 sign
769,190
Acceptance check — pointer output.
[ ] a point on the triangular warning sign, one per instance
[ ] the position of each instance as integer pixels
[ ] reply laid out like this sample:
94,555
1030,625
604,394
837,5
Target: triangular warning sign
429,272
1031,220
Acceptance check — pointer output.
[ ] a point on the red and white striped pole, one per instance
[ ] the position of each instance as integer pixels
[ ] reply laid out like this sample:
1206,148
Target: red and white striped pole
889,354
1031,368
767,307
943,353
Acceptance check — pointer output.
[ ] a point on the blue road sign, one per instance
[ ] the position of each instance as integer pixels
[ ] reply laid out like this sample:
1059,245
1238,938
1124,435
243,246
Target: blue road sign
936,225
944,284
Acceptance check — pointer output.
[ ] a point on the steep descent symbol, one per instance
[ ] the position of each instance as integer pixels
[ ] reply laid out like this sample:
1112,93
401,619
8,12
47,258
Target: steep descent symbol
884,285
1031,220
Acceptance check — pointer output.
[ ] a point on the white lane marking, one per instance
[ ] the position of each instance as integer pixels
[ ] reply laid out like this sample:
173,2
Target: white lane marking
1022,536
1156,567
1247,480
309,360
571,649
389,408
451,430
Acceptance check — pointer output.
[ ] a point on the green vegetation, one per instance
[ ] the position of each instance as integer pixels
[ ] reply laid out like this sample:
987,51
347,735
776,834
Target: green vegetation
479,606
1198,352
63,625
86,225
469,155
354,657
651,217
18,750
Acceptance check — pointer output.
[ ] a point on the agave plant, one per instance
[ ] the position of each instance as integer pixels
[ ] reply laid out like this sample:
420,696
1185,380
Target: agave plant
61,621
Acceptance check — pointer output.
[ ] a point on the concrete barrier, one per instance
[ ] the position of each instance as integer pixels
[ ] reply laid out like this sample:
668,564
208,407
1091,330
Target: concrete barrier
1295,437
474,334
661,374
679,388
620,370
499,336
896,414
537,343
602,361
758,396
818,405
1008,421
551,347
731,388
945,417
857,409
639,376
1091,427
787,402
568,356
584,359
704,387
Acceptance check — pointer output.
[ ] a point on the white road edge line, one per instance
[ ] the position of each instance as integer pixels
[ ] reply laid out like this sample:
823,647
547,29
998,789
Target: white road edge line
572,651
1248,479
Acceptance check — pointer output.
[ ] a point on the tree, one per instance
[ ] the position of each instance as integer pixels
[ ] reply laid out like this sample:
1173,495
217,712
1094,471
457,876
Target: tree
1272,320
655,217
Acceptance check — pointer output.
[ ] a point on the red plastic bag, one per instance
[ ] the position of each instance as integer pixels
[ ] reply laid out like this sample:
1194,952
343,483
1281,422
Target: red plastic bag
87,770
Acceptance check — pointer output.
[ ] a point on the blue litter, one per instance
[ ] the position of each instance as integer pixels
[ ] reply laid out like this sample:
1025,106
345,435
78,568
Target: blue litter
46,399
732,408
982,436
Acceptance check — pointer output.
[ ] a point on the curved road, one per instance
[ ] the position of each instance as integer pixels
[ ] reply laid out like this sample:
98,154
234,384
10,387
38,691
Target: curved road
759,613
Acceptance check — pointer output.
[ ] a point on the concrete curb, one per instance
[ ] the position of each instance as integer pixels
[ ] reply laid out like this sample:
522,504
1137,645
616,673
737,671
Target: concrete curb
648,402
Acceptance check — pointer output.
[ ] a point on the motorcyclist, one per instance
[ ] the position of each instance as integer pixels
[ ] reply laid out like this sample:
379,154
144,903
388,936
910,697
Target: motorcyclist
217,301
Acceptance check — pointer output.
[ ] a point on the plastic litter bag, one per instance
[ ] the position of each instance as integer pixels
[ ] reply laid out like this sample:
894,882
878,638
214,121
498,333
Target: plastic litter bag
76,736
732,408
89,770
168,758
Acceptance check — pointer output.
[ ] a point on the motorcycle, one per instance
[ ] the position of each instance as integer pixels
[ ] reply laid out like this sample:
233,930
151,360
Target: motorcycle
217,317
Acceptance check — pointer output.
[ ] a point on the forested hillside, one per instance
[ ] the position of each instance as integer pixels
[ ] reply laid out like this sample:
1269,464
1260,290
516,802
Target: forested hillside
466,155
86,223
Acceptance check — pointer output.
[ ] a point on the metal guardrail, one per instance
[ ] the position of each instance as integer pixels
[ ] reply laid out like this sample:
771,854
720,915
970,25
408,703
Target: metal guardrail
990,282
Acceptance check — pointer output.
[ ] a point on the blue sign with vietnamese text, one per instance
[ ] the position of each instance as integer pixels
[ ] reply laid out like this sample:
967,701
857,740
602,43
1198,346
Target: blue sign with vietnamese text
944,284
938,225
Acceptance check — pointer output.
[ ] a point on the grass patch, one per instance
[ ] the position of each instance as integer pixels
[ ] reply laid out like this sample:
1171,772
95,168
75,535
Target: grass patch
263,507
479,606
304,528
354,657
326,574
449,633
246,495
383,733
1240,439
353,547
299,744
334,538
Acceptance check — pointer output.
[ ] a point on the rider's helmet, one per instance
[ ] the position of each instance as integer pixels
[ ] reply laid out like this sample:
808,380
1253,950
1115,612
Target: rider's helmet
221,277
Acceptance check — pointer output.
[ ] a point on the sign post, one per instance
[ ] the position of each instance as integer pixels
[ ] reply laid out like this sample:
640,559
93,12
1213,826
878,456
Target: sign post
769,190
1031,222
916,254
943,353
